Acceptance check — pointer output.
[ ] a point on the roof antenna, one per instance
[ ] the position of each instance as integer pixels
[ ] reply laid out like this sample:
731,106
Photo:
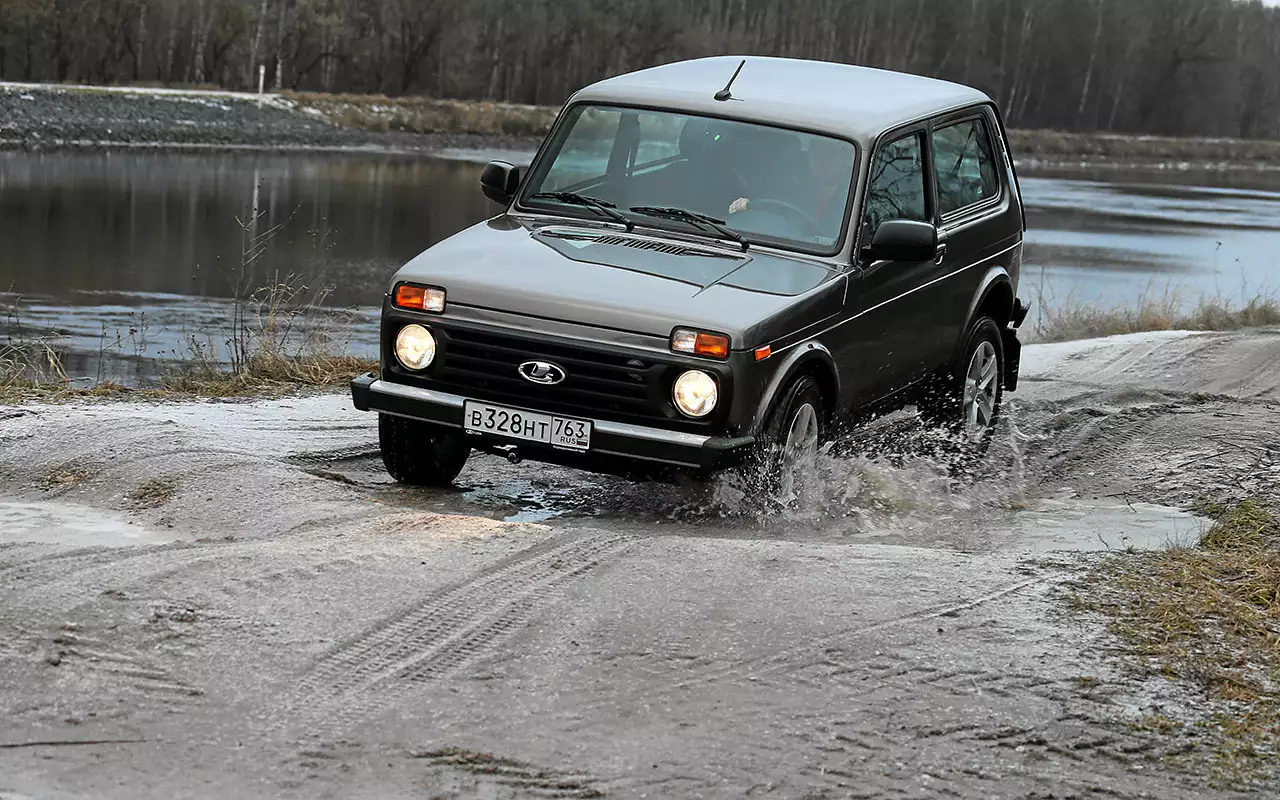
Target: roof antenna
724,94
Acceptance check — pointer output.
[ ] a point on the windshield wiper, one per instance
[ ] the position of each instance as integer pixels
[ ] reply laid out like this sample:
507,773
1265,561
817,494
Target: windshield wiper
694,218
602,207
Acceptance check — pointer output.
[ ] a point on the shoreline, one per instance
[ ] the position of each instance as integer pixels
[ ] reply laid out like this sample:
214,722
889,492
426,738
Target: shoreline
45,118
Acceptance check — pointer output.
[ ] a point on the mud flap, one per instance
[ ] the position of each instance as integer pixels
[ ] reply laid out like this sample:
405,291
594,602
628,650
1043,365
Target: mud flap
1012,358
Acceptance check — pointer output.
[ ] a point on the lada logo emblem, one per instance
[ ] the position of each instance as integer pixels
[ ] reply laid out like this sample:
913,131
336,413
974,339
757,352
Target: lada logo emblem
543,372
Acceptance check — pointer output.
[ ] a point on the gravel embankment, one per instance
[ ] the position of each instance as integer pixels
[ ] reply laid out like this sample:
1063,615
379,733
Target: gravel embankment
54,117
42,117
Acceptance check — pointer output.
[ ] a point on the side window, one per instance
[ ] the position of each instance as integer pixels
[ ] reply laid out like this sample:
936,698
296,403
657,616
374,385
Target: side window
896,187
965,165
585,153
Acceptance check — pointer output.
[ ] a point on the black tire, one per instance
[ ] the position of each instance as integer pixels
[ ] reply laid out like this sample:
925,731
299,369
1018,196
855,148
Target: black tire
942,403
769,465
421,454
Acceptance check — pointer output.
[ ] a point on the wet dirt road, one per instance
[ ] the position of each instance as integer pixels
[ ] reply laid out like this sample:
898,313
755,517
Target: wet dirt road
231,599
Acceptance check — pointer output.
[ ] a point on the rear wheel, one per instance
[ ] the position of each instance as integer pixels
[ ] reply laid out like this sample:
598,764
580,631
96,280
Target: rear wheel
965,399
420,454
788,454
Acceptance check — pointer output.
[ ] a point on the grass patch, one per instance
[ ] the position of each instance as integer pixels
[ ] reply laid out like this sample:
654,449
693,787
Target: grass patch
283,338
1208,617
63,477
1069,320
265,373
153,493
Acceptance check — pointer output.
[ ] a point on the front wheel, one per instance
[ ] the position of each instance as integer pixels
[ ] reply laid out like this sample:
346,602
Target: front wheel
966,398
788,453
420,454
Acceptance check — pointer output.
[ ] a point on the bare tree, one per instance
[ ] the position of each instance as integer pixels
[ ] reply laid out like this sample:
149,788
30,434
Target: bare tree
1066,64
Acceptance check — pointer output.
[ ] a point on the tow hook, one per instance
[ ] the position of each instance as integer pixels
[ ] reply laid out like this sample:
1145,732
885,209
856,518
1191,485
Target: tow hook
513,455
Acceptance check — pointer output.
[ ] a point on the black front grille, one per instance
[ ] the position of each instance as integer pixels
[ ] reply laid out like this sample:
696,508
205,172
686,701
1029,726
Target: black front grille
609,385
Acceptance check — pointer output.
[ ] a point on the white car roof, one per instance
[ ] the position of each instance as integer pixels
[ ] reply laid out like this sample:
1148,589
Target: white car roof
857,103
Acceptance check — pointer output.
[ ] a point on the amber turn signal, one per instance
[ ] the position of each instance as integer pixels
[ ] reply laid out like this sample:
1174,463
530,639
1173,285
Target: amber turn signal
419,298
763,352
699,343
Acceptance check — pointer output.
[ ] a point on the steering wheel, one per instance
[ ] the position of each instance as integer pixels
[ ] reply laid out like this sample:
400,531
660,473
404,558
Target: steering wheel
785,209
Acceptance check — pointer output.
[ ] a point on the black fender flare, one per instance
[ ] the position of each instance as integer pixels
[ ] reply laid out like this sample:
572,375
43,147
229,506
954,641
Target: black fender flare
994,276
997,276
800,357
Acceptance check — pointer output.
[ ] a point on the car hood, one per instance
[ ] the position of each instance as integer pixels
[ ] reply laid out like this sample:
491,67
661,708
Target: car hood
630,282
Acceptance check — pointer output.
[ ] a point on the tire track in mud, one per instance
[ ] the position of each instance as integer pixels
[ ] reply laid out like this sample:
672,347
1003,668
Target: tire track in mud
1100,439
764,689
68,567
336,456
440,636
60,583
860,720
527,779
1175,453
792,662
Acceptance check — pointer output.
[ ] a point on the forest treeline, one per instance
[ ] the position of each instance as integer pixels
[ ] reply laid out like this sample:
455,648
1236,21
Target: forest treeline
1173,67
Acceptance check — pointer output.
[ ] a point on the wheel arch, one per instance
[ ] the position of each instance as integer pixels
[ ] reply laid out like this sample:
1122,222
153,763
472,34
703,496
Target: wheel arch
993,298
809,358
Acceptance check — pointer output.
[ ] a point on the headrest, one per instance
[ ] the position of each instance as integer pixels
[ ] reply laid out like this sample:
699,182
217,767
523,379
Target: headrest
693,137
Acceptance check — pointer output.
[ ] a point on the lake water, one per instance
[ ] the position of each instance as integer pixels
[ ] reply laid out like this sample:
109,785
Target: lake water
129,258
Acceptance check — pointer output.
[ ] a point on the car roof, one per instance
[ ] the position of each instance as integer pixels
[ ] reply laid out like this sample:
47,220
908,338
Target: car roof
858,103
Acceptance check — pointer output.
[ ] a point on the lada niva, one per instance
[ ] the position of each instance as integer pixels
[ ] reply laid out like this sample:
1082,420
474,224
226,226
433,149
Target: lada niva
712,261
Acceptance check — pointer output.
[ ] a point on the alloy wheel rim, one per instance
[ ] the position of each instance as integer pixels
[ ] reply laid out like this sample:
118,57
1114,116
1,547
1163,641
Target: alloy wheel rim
980,387
800,450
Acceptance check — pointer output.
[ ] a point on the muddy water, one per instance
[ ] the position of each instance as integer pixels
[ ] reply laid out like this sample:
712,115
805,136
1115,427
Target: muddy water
129,258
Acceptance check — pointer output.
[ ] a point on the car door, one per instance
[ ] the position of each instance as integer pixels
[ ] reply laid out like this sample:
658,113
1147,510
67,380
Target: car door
889,328
973,205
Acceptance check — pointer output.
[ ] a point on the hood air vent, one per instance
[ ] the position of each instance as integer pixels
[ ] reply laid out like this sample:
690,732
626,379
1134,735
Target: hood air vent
643,244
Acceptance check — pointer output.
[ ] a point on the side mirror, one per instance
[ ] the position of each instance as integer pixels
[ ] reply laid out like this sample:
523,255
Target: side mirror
904,240
499,181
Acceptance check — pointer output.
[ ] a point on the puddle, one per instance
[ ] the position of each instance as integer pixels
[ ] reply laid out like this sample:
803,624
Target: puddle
72,525
1089,526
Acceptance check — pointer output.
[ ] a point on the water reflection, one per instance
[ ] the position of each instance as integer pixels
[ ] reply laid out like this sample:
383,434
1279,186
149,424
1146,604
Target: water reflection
1138,234
106,247
171,223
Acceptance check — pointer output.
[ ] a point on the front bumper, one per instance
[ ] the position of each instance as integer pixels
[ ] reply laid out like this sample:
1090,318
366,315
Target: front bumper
609,440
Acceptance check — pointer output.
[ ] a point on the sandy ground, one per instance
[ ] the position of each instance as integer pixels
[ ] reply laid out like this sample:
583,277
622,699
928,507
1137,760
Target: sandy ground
232,600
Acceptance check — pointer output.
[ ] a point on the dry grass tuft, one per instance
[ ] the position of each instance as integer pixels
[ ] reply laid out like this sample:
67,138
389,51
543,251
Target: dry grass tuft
1209,617
266,373
1068,320
287,339
152,493
63,477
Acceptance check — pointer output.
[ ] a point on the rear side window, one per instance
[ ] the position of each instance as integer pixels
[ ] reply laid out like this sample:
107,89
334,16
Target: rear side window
896,188
965,165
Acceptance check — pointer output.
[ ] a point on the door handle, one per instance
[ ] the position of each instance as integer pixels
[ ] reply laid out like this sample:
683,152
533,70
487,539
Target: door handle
940,254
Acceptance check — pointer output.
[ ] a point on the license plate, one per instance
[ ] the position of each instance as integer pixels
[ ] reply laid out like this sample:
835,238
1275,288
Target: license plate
552,429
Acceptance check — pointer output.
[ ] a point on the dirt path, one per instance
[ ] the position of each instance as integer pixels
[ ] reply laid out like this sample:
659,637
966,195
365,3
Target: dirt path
237,592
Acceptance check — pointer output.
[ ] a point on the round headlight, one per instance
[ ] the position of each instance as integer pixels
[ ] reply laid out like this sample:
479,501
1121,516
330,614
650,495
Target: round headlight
695,393
415,347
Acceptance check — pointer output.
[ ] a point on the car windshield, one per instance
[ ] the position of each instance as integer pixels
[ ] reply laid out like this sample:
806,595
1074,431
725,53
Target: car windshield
770,185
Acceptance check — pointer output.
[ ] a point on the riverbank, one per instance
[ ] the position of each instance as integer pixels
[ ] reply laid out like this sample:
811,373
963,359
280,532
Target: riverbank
46,116
37,117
